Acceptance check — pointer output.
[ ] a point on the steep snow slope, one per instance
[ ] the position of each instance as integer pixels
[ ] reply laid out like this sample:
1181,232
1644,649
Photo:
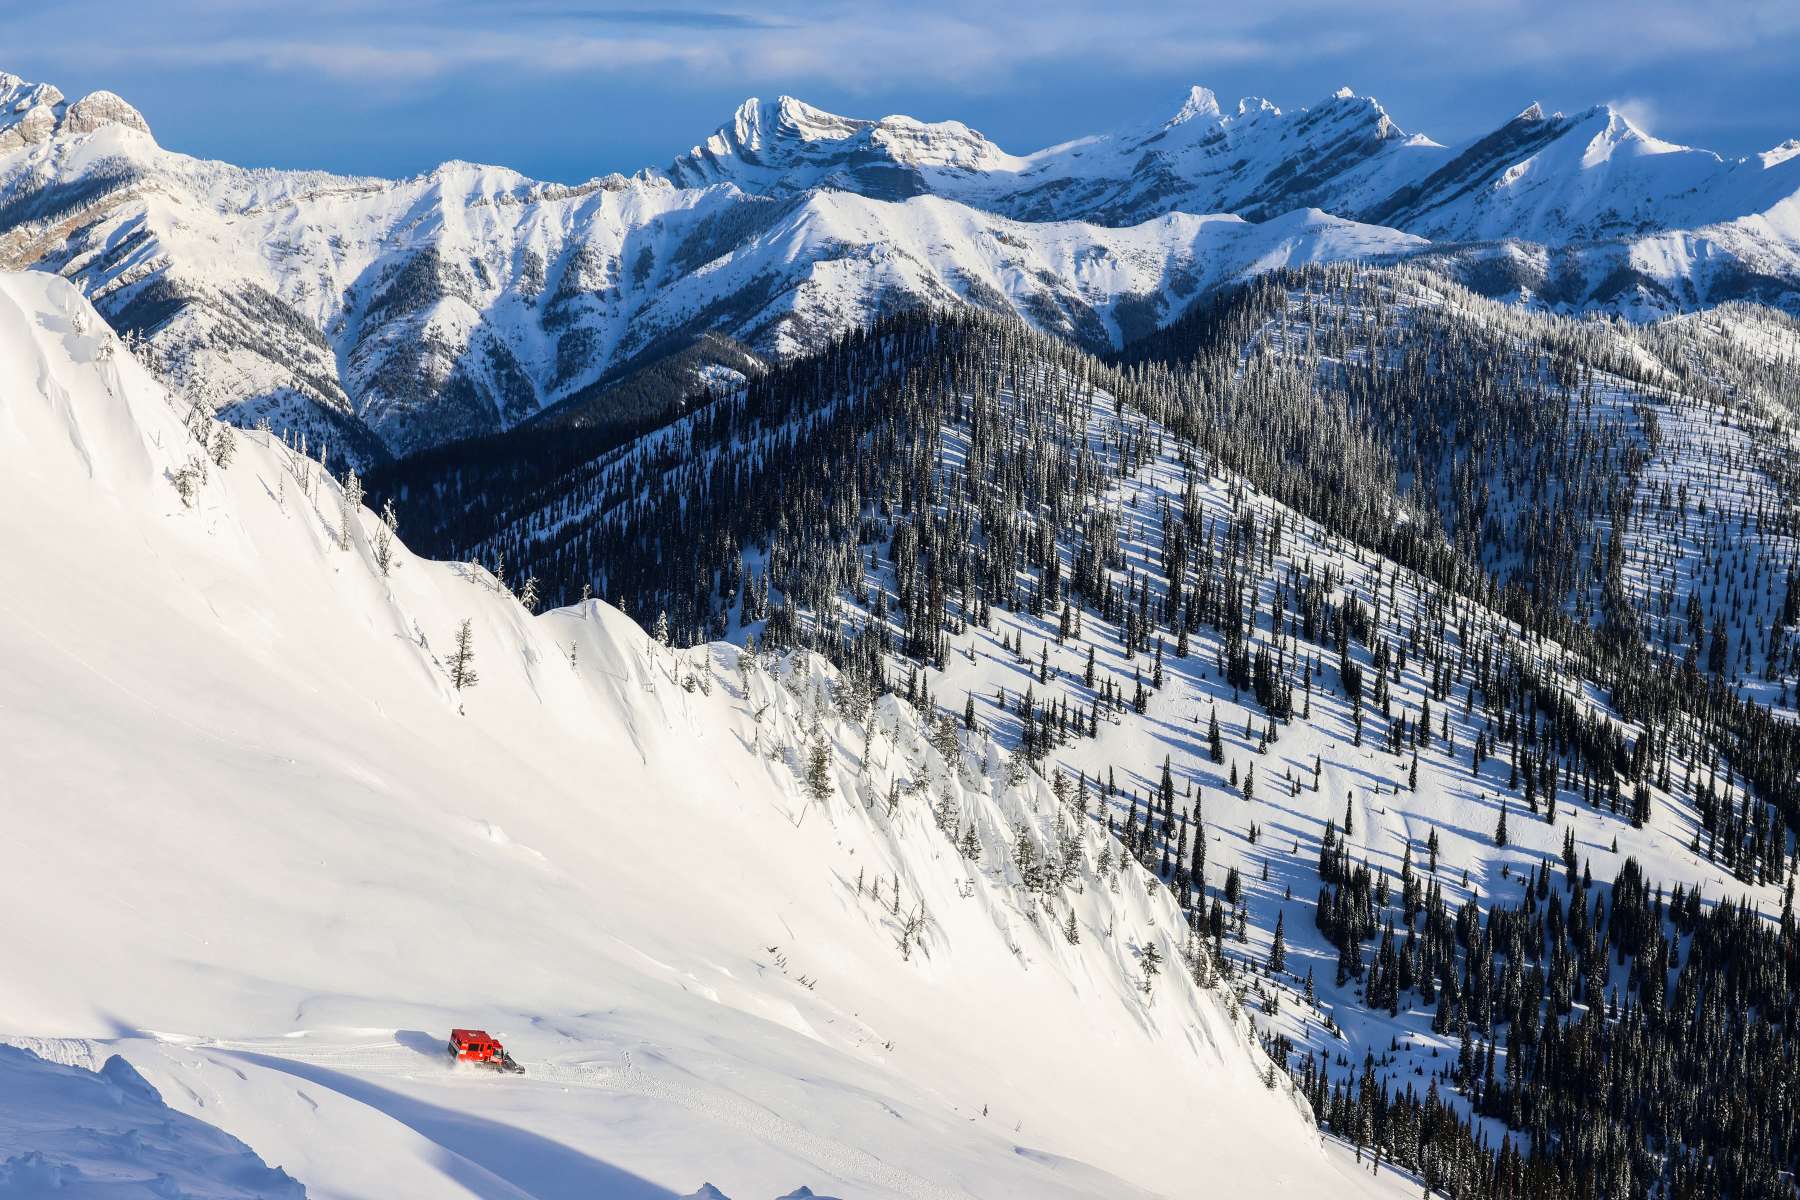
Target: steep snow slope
272,855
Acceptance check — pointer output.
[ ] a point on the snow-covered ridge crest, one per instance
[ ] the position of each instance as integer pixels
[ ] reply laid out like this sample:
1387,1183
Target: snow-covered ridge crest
1552,179
736,900
106,1131
792,145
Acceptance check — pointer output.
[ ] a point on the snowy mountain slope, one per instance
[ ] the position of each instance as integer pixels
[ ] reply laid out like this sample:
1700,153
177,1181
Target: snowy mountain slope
1690,434
1575,212
1291,802
849,258
1285,793
741,922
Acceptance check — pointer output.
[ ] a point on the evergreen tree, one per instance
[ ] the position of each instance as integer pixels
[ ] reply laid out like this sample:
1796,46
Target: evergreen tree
462,658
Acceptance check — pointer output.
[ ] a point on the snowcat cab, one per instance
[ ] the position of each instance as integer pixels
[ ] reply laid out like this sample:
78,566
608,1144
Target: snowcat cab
476,1046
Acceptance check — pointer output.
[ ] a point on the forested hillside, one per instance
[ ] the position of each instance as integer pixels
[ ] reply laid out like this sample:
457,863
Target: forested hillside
1441,660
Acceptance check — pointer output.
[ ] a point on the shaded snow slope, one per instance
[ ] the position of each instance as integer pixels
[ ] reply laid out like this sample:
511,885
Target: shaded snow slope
105,1134
273,855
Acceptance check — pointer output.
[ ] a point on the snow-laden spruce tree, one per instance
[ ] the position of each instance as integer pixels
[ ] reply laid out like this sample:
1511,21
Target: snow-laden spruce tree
384,537
462,659
349,503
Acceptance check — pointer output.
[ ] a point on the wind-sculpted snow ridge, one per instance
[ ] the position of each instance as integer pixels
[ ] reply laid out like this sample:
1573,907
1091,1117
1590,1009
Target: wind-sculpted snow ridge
742,920
106,1133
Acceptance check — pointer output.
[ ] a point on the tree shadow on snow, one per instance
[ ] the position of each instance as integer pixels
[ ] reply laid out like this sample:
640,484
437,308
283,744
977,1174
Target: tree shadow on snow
492,1160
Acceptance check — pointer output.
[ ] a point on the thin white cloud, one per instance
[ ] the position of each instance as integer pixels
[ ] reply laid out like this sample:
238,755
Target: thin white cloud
851,43
945,46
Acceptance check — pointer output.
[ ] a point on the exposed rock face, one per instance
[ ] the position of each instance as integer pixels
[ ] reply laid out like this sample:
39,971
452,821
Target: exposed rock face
31,113
28,112
102,108
38,123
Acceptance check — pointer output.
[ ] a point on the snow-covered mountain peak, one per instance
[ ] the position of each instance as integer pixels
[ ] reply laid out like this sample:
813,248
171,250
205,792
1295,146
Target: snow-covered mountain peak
389,315
102,108
791,145
809,121
1780,154
1201,103
18,96
1615,131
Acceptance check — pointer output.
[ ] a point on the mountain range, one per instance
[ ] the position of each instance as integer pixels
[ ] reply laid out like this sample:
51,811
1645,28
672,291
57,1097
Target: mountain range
383,317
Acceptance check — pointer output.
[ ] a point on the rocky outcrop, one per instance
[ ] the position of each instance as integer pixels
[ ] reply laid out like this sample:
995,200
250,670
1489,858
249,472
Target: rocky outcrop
38,123
97,109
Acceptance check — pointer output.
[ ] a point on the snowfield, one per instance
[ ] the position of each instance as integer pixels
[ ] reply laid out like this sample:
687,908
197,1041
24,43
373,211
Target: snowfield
268,855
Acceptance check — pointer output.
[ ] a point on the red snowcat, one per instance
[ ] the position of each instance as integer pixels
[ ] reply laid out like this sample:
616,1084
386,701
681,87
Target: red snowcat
476,1046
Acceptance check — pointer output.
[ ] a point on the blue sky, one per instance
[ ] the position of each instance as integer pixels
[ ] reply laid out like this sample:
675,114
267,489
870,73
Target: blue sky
568,89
